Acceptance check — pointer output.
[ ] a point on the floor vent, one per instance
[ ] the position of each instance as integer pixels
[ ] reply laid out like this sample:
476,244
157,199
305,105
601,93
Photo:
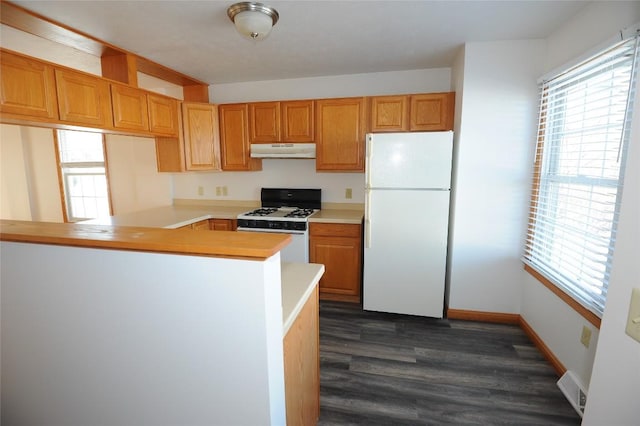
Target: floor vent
573,389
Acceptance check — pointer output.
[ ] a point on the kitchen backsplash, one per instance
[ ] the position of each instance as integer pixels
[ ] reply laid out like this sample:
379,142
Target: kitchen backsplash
276,173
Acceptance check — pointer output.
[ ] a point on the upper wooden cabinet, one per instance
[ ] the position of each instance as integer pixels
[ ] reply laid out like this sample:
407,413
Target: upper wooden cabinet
264,122
234,138
286,121
422,112
390,113
201,143
130,110
297,121
432,111
163,115
340,132
83,99
27,87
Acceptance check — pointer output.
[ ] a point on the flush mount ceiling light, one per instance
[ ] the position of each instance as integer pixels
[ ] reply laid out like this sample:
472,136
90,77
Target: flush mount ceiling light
253,20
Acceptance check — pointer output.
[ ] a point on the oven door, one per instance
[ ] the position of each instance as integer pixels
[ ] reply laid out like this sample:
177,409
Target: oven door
296,251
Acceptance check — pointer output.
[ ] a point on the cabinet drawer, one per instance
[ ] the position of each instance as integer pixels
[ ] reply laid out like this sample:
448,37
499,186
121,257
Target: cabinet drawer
334,229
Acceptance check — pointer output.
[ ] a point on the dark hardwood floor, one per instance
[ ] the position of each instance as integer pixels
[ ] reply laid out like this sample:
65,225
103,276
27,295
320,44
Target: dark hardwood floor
386,369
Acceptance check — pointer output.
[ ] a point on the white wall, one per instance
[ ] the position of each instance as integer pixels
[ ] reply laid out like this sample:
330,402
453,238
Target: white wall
613,393
28,44
275,173
558,325
139,338
587,31
494,152
14,204
29,175
30,188
302,173
380,83
133,177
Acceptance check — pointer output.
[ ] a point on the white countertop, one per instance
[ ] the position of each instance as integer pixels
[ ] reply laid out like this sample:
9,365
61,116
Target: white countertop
170,217
338,216
298,282
176,216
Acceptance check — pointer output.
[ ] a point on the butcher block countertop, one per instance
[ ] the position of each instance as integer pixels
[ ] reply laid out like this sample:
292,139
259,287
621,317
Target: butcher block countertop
244,245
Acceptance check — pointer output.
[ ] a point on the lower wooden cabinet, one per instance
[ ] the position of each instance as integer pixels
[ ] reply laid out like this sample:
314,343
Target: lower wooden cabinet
213,225
302,366
223,224
202,225
339,248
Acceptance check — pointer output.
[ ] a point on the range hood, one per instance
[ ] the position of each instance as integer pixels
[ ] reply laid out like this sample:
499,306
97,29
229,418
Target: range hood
283,150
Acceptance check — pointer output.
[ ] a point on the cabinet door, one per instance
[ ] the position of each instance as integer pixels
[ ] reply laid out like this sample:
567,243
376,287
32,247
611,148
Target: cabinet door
170,154
201,143
264,122
340,132
432,112
234,138
27,87
202,225
130,111
339,248
223,224
163,115
390,114
83,99
297,121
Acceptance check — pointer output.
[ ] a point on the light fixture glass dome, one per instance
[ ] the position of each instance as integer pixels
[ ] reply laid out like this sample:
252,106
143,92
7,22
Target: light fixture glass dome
253,20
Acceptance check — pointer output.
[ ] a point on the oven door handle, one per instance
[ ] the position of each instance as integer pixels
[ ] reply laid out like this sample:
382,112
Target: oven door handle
279,231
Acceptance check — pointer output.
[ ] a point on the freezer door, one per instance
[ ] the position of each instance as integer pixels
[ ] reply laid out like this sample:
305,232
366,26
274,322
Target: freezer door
405,258
409,160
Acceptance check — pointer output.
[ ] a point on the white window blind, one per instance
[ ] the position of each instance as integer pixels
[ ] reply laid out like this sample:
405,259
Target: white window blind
583,133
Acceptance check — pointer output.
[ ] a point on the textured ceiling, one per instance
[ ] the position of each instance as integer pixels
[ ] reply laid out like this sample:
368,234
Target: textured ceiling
312,38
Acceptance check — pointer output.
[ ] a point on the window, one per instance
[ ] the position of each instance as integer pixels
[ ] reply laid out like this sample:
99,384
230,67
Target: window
83,176
583,133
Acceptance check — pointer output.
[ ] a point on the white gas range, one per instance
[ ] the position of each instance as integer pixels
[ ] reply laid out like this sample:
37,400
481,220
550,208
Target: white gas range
286,211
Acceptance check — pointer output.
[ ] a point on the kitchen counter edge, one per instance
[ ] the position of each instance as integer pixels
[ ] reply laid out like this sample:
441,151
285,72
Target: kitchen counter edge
241,245
298,282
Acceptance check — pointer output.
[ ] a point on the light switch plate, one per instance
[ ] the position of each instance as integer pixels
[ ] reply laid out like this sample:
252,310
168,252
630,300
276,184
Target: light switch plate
633,321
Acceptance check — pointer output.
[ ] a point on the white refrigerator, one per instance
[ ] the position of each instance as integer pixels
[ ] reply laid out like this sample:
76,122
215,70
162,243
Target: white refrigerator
407,187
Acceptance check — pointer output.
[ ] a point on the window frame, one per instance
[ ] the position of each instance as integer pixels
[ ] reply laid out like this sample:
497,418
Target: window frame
64,197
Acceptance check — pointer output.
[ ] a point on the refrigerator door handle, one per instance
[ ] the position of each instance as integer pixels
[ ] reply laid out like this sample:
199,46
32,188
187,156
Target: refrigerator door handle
367,218
368,148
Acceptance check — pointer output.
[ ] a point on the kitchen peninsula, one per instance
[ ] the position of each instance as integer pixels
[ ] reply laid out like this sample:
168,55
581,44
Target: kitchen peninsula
133,325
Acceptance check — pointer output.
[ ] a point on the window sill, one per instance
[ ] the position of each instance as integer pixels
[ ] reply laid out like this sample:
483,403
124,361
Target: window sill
584,312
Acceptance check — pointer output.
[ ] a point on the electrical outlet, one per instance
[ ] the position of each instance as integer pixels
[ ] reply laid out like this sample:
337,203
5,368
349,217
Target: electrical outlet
633,320
224,191
348,193
218,191
200,190
585,338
